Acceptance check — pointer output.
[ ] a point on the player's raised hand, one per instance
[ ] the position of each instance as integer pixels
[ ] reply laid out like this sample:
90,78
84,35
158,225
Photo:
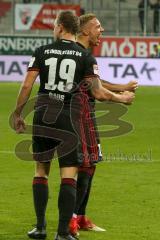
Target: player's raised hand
18,124
127,97
131,86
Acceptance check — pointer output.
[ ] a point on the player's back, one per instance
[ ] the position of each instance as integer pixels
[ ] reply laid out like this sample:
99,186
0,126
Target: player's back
61,68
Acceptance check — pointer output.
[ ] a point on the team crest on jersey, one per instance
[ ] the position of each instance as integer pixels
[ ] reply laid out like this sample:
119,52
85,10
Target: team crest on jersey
95,69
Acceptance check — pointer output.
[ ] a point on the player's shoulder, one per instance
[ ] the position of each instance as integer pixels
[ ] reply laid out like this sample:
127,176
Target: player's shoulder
89,56
82,49
87,53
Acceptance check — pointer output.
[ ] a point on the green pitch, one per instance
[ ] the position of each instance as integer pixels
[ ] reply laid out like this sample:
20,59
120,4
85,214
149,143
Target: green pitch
125,196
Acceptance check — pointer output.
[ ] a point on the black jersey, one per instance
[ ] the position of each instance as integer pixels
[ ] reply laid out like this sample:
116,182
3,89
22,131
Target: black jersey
62,66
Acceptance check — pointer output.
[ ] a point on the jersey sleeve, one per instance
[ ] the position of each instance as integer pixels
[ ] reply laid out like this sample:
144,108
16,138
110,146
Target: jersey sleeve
91,67
34,64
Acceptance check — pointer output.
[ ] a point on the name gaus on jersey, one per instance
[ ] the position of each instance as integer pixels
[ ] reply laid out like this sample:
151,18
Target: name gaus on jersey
62,52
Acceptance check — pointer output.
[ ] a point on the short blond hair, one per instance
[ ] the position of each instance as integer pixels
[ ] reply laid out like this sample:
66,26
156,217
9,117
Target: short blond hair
84,19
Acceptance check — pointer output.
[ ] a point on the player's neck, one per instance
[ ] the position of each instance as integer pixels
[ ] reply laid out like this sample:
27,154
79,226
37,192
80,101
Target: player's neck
82,41
68,36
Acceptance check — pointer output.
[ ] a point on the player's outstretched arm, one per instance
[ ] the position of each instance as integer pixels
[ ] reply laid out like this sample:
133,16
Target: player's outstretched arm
130,86
25,91
103,94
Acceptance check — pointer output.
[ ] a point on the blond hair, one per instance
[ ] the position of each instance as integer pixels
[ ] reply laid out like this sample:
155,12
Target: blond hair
84,19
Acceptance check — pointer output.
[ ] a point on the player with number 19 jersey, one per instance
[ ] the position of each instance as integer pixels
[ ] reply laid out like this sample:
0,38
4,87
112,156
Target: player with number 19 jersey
62,111
62,69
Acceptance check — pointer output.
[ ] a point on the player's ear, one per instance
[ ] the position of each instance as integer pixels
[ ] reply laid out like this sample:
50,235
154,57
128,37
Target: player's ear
85,31
61,28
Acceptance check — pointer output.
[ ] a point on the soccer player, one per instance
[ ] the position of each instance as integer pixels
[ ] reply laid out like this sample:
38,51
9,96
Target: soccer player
89,37
67,72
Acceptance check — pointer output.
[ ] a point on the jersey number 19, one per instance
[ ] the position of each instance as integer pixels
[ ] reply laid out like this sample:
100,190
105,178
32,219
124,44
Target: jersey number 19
66,72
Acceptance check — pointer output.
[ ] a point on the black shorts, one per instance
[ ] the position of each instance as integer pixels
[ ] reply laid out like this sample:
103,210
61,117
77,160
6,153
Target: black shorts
64,129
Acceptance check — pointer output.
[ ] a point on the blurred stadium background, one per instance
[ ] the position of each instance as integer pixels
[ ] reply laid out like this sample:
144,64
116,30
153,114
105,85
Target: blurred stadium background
119,17
126,186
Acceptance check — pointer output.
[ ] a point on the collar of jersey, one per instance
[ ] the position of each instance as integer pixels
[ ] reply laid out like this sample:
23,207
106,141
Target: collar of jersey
66,41
81,45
